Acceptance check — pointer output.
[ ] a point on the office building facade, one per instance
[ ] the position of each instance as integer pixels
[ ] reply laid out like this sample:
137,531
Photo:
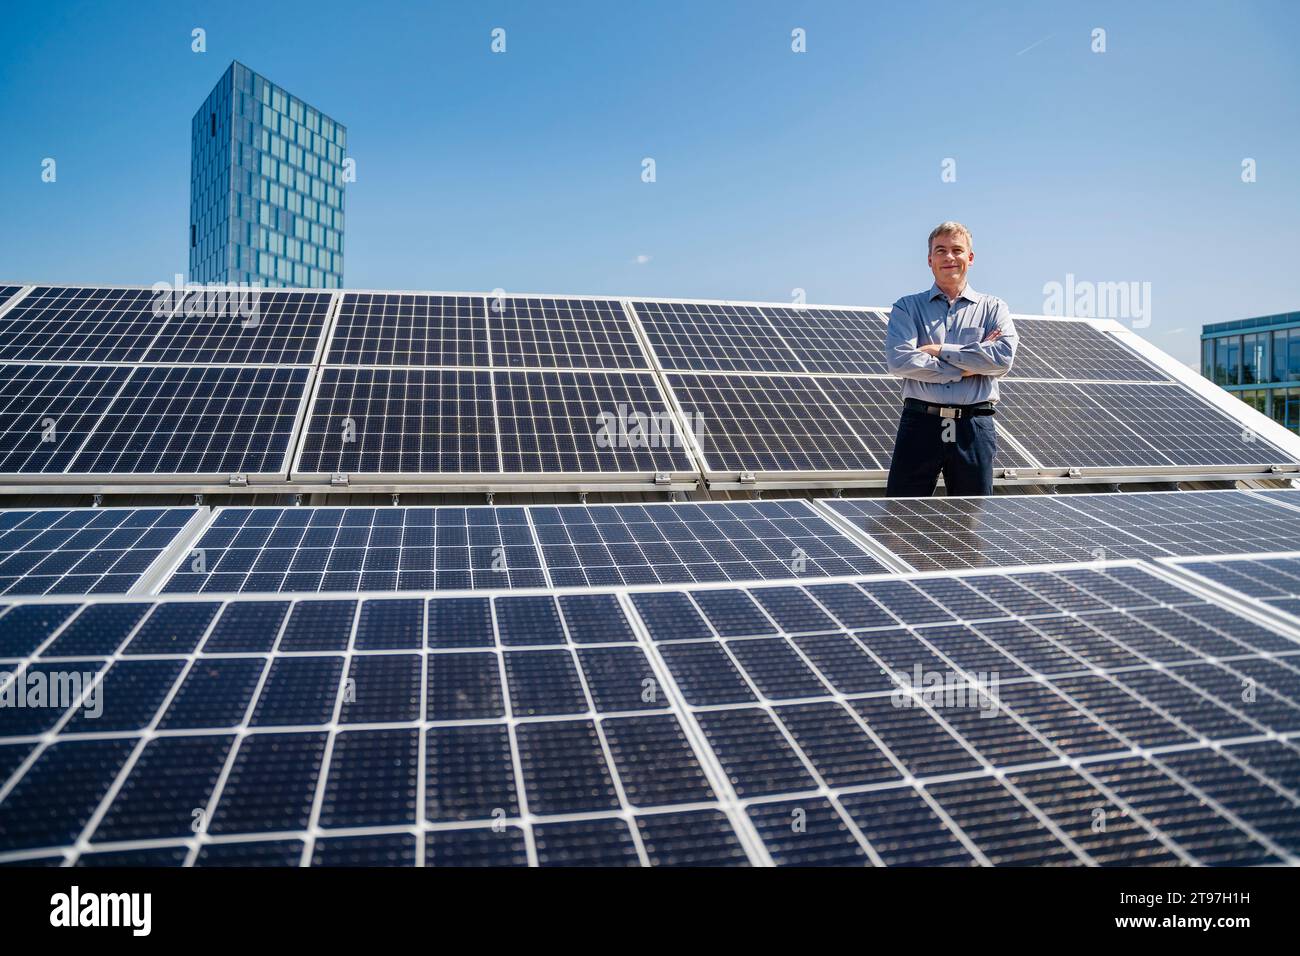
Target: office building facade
1258,360
266,187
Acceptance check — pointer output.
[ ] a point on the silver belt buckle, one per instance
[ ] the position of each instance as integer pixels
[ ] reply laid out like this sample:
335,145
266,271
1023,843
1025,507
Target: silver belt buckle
946,412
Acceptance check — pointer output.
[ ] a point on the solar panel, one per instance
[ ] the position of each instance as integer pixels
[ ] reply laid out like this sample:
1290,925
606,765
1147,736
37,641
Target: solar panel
398,421
376,328
259,327
753,423
833,340
74,324
7,292
562,333
83,550
47,412
720,541
350,549
950,533
1055,348
704,337
1106,425
196,420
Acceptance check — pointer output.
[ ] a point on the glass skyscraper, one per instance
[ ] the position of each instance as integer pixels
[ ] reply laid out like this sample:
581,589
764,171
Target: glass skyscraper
266,187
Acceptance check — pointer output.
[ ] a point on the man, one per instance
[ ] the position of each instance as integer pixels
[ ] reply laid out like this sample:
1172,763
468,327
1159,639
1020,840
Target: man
949,345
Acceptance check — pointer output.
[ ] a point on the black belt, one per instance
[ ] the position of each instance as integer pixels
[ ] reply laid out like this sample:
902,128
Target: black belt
949,411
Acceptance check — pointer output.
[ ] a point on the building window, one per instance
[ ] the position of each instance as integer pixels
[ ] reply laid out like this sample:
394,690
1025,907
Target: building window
193,237
1227,360
1286,355
1256,398
1207,358
1286,407
1254,361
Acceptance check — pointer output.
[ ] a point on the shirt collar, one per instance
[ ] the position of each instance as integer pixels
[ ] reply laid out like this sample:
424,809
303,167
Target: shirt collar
969,294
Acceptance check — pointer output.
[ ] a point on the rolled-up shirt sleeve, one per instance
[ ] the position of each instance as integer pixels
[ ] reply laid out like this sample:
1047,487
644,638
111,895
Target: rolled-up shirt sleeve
903,357
986,358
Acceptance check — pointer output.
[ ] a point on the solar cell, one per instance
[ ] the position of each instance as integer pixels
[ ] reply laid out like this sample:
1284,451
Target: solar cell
593,422
1271,578
400,421
833,340
716,541
375,328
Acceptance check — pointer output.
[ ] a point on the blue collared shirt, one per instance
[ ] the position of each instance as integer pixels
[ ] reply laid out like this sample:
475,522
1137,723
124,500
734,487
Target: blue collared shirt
960,327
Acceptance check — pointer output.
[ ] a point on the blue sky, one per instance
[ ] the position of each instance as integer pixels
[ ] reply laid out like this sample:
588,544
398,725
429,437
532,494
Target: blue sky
775,170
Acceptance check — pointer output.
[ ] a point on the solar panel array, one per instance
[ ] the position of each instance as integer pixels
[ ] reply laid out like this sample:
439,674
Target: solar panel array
450,548
721,683
795,724
393,388
1001,531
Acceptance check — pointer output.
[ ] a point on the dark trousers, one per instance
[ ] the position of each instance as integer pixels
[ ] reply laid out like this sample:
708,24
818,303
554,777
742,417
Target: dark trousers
962,451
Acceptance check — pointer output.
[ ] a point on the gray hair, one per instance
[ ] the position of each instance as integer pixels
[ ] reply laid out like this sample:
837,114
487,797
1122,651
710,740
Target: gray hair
948,227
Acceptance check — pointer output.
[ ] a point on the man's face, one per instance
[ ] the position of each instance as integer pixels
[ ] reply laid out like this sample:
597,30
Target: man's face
950,259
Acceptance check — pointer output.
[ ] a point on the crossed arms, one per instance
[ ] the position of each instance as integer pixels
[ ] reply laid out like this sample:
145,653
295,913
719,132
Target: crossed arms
932,362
